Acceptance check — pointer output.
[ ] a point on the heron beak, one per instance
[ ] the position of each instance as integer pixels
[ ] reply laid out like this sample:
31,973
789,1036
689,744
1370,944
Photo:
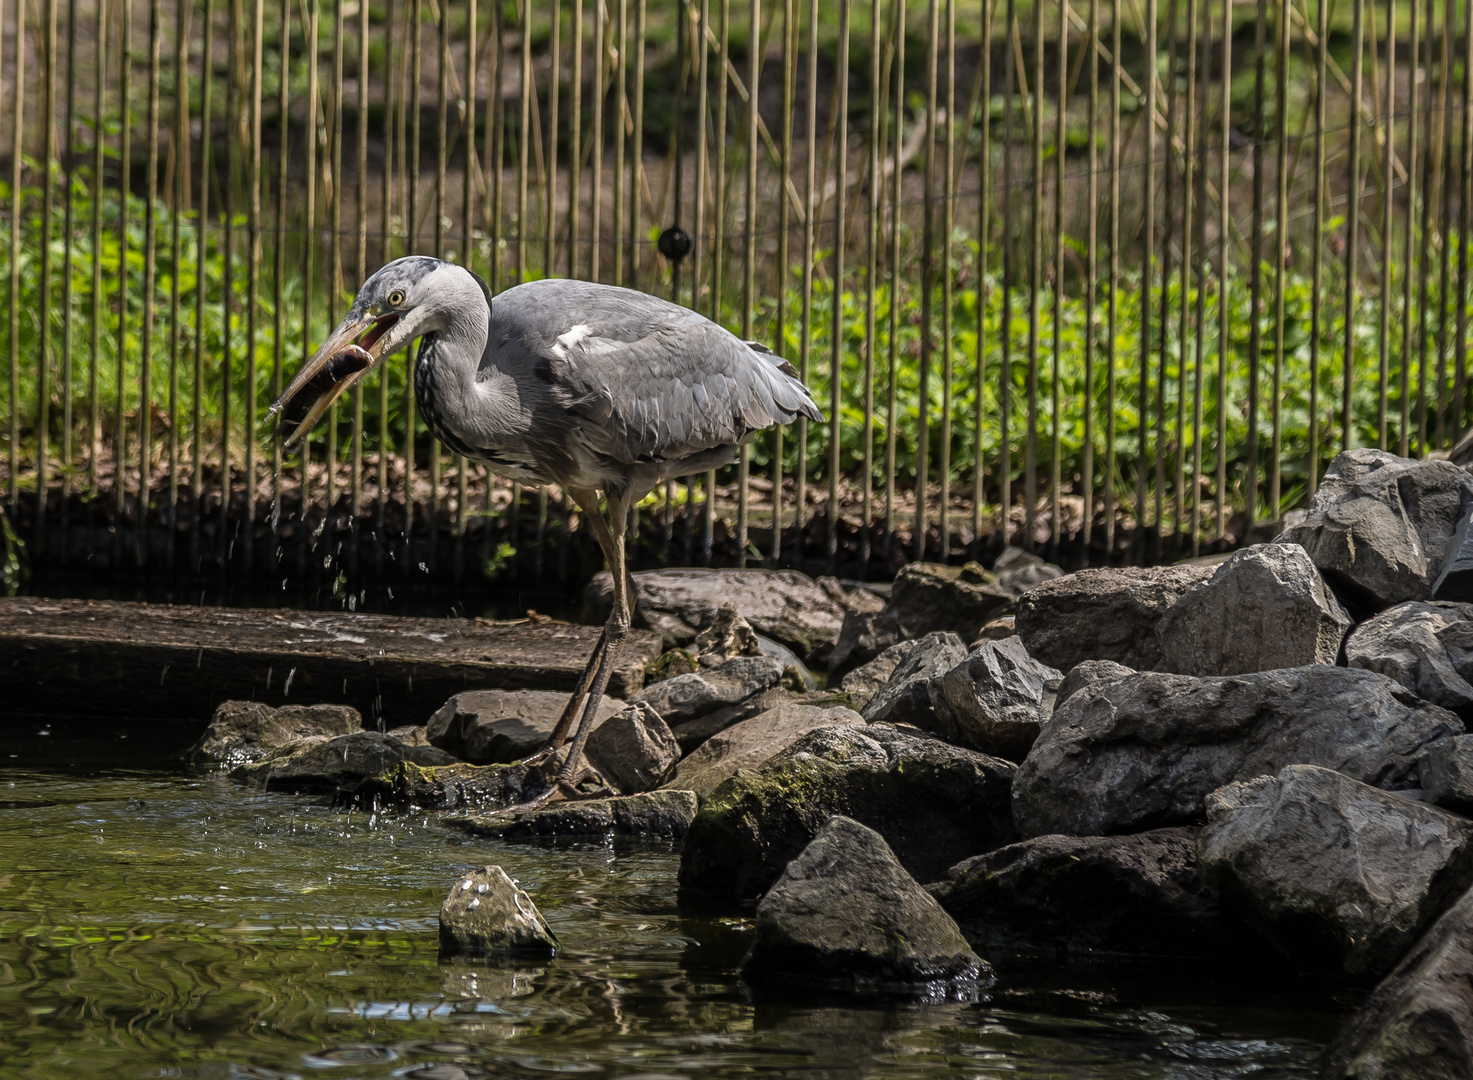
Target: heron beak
344,358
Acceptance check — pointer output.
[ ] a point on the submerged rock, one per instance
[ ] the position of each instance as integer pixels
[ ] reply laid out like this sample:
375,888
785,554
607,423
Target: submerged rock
1140,895
935,804
995,700
748,744
690,697
1426,647
1266,607
679,603
1418,1024
905,698
319,764
1379,526
657,815
487,914
1145,752
1108,614
245,731
845,908
1333,871
633,749
489,726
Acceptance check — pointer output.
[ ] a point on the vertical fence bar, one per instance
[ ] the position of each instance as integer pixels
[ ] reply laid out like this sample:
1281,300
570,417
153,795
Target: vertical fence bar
309,244
575,140
698,243
1465,219
871,253
179,154
201,288
984,235
278,276
1199,265
99,148
150,261
928,284
253,280
360,263
1005,368
1317,254
1112,313
621,76
1184,327
636,166
1440,139
335,270
1090,290
1281,255
44,312
1388,119
392,104
948,225
891,407
836,303
554,132
1148,250
810,202
1352,219
595,210
442,122
524,128
1168,208
718,241
416,15
1408,299
1224,227
17,130
749,245
1061,113
1035,284
68,239
1255,254
125,149
780,322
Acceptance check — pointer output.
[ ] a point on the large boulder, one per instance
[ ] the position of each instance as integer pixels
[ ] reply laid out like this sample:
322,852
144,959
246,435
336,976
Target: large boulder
704,691
1418,1024
1145,752
1140,895
244,731
1427,647
846,909
679,603
487,914
1108,614
1333,871
488,726
865,681
1379,526
750,743
1446,772
657,815
318,764
633,749
926,598
935,804
1266,607
906,696
995,700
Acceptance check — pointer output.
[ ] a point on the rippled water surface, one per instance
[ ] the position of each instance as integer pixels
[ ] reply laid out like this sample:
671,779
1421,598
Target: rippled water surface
160,922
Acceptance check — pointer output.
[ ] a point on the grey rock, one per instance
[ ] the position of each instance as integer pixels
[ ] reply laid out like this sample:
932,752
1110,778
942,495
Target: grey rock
852,596
487,914
935,804
1019,570
1145,752
689,697
1455,579
1379,527
1140,895
693,733
1266,607
846,909
796,675
1108,614
997,630
1333,871
728,635
679,603
319,764
658,815
499,726
750,743
997,699
633,749
1446,771
1088,674
1418,1023
926,598
865,681
411,734
905,698
1426,647
244,731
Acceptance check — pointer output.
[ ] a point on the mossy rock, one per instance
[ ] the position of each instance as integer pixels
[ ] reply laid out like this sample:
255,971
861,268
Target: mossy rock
935,804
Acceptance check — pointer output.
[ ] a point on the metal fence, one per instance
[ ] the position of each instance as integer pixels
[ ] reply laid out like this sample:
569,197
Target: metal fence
1112,277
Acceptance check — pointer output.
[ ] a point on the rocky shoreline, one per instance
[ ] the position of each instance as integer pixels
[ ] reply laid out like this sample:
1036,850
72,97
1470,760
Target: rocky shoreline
1257,759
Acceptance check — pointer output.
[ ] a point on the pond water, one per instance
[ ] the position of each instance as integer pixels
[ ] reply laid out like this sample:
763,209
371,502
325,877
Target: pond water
159,921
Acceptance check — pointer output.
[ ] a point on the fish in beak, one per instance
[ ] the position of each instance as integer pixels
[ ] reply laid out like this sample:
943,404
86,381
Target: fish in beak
344,358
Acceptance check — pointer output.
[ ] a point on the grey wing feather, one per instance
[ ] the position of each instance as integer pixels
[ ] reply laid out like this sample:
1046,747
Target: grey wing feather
660,381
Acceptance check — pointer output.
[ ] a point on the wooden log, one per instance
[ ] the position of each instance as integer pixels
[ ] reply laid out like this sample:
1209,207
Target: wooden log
104,658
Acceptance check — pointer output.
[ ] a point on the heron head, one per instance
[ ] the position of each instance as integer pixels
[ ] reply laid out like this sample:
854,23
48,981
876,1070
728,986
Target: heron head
405,299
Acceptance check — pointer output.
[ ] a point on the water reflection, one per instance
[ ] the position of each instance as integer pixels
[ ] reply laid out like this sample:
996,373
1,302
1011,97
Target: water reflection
155,922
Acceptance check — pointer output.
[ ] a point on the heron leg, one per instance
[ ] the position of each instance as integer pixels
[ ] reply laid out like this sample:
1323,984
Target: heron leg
610,533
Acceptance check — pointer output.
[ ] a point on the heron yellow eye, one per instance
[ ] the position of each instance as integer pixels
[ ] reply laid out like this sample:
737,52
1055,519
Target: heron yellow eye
396,298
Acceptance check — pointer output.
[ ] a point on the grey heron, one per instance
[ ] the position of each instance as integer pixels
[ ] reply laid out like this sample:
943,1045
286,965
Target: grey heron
597,388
